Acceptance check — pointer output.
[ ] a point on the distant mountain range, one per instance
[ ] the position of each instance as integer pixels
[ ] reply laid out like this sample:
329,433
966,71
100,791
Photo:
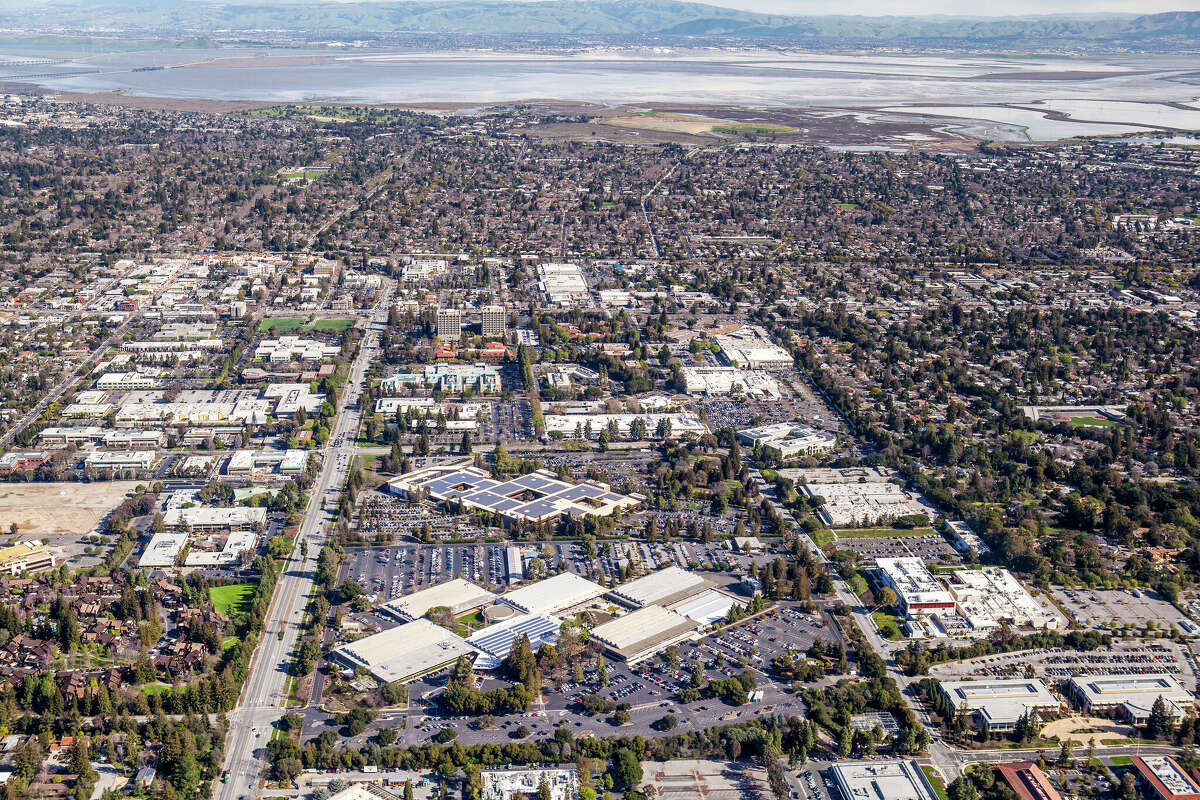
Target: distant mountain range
596,18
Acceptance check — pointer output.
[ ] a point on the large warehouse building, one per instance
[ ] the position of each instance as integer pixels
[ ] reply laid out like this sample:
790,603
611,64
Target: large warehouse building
882,780
664,587
1131,696
641,634
458,595
557,593
404,652
996,705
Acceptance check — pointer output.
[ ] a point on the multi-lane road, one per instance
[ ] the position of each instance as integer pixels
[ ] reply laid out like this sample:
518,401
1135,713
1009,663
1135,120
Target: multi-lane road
264,694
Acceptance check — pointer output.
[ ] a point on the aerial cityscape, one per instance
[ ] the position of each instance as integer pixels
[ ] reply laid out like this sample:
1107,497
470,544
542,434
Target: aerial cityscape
598,401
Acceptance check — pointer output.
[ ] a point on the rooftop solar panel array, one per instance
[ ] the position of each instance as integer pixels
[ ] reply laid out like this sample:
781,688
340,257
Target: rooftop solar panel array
499,639
545,495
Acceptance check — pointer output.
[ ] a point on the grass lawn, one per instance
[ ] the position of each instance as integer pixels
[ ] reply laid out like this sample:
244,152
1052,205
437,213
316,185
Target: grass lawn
329,324
280,324
307,174
1121,761
752,127
472,620
882,533
887,624
935,780
822,536
1092,422
858,584
228,642
848,206
233,599
155,688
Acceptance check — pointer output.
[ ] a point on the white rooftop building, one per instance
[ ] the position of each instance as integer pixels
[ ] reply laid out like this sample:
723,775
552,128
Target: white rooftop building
997,705
404,652
915,587
458,595
751,347
788,439
662,587
717,381
554,594
1132,696
882,780
641,634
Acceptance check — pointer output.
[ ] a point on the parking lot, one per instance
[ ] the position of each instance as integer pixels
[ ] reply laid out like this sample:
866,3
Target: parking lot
1104,607
930,547
648,691
1123,658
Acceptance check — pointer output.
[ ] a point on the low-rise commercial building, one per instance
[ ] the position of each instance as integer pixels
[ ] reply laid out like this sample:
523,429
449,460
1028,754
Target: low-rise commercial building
205,519
644,633
882,780
119,459
720,381
1028,781
788,440
404,652
285,462
554,594
1130,696
495,642
26,557
663,587
457,595
916,588
750,347
537,497
992,593
997,705
1166,779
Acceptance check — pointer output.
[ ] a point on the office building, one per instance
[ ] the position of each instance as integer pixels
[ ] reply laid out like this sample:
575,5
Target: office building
916,588
24,557
1130,696
494,321
449,324
1028,781
644,633
1166,779
404,652
997,705
882,780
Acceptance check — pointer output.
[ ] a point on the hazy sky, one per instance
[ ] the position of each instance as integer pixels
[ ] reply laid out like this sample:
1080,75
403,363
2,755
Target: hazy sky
960,7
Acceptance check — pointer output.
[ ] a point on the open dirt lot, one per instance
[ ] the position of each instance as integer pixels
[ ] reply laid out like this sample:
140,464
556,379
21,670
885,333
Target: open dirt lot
667,122
1082,730
44,510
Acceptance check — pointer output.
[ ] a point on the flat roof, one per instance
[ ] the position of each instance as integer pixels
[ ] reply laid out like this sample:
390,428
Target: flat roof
458,595
1169,780
1106,690
534,497
882,780
663,587
639,632
558,592
406,651
707,607
999,701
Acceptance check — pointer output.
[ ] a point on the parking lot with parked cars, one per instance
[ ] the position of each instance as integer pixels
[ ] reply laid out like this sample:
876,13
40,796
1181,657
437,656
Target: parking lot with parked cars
646,692
1135,657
